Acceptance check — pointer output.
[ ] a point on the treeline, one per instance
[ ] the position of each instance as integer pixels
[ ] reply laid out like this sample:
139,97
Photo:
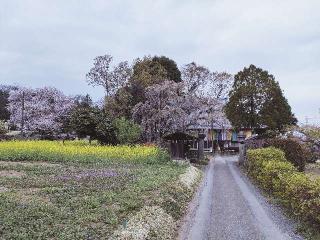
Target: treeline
146,99
143,101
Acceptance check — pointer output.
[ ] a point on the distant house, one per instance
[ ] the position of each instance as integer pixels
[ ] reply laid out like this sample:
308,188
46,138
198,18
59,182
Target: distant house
220,135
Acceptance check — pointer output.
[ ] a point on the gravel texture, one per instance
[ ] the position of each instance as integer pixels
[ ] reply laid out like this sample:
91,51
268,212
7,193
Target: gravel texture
228,207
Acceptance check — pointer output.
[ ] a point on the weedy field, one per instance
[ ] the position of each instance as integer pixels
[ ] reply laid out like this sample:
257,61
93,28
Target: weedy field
50,190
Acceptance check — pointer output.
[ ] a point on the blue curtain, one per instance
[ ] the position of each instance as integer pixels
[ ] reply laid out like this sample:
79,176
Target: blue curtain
234,137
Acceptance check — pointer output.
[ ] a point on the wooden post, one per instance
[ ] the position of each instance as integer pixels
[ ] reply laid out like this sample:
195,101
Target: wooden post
201,146
242,148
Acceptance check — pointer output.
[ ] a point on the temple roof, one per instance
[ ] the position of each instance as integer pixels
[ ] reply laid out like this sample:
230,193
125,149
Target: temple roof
178,136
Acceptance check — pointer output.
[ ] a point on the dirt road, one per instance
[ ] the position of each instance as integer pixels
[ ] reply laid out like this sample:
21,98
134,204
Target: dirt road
228,207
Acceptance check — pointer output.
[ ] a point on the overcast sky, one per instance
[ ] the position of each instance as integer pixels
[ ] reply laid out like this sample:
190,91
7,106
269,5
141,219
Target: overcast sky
54,42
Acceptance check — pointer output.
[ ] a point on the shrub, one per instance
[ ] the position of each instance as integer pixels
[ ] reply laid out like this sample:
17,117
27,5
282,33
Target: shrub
272,173
127,131
295,152
304,196
266,154
299,193
256,158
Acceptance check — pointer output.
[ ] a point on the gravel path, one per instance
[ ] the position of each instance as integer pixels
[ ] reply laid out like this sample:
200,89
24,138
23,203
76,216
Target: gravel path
228,207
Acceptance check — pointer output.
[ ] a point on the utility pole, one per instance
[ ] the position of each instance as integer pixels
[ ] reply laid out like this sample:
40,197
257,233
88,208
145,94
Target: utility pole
22,113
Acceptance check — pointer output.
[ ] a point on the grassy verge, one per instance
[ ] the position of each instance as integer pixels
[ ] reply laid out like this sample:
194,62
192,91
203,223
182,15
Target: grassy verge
87,195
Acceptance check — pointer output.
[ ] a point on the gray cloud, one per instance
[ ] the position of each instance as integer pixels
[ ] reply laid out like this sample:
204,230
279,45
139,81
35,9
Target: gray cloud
54,42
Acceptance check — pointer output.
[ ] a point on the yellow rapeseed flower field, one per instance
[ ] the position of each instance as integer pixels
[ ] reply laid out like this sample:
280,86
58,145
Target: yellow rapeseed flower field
79,151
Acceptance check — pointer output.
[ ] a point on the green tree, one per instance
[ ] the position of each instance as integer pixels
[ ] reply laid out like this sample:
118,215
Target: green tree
172,71
256,100
146,72
127,131
3,129
4,113
88,120
152,70
120,105
105,130
4,95
276,113
149,71
83,121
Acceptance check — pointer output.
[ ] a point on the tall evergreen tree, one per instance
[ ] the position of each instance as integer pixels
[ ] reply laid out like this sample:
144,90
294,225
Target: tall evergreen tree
256,100
276,112
83,117
173,72
4,96
4,113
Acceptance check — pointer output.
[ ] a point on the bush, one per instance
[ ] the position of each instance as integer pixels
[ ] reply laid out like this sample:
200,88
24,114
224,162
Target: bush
267,154
261,163
272,173
127,131
303,196
105,131
295,152
256,158
298,192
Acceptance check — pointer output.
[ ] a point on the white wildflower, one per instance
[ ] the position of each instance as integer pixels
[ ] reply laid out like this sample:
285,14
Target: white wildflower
152,220
190,177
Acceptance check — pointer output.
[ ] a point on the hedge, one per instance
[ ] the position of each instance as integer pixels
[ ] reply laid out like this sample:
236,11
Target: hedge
300,194
295,152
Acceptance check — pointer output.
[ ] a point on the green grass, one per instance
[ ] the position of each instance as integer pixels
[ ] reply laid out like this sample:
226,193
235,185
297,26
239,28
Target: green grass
68,200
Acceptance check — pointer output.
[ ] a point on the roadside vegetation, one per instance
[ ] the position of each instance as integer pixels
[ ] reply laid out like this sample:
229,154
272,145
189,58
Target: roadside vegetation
295,190
51,190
